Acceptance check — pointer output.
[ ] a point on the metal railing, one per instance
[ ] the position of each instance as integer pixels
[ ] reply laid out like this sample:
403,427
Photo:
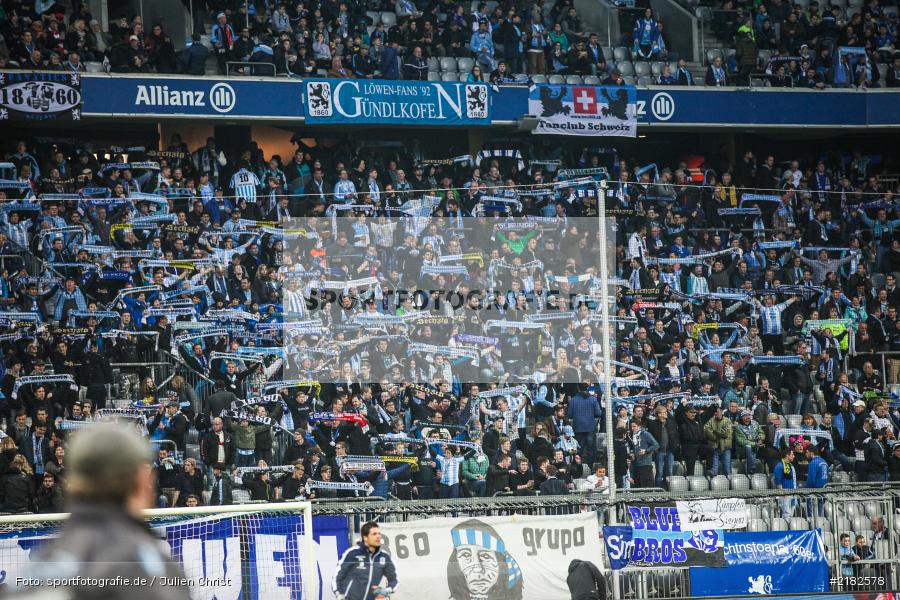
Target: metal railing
836,509
253,68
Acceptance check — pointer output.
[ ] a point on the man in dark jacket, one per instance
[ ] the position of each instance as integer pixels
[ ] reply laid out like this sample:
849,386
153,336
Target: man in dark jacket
96,372
585,581
363,567
110,481
49,498
553,486
691,439
415,67
193,58
746,54
173,423
219,400
498,476
221,492
665,432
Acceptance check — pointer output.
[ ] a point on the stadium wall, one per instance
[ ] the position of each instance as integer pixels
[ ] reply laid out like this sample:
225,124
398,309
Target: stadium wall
282,101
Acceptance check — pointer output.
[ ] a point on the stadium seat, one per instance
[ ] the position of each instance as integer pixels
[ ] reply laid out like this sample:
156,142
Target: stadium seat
465,64
434,64
712,53
448,63
463,77
698,469
574,79
645,81
753,510
874,509
629,80
793,421
450,76
719,483
93,67
621,53
678,466
656,68
843,525
820,523
840,477
556,79
740,482
539,78
591,80
625,67
798,523
698,484
828,541
240,496
389,19
860,522
758,481
757,525
434,76
678,484
642,68
729,53
778,524
374,16
852,509
764,56
608,54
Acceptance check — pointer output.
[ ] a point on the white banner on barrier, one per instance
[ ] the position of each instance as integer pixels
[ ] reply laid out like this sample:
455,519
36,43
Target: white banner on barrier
490,558
720,513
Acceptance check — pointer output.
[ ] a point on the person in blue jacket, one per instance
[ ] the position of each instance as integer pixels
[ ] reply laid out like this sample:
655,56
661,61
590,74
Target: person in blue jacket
817,476
363,567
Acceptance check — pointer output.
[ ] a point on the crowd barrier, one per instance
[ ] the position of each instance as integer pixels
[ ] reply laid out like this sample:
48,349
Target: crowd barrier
836,509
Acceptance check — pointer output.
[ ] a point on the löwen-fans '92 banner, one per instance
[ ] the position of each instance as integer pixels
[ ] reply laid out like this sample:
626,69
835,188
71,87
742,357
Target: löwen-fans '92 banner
490,558
584,110
40,96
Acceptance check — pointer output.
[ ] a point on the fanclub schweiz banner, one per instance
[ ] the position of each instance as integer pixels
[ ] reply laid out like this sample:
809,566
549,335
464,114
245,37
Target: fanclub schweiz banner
40,96
656,539
584,110
490,558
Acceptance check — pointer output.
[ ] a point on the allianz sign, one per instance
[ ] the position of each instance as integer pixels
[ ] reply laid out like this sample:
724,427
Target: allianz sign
221,97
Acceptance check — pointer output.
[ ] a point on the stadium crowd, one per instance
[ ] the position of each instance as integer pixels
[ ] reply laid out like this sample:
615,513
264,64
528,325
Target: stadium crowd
753,300
791,45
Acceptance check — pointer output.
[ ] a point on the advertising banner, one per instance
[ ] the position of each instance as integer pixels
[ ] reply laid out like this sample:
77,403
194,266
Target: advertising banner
584,110
242,558
40,96
720,513
329,101
490,558
181,97
657,539
770,562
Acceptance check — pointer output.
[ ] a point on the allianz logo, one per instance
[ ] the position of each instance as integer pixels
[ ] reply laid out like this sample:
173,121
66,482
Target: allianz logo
221,97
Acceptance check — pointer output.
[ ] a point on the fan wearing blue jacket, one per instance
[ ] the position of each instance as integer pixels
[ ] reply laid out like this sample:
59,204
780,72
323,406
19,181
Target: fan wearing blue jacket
816,477
362,568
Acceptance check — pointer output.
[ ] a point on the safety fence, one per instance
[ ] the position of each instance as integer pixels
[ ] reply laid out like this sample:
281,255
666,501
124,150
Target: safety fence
855,509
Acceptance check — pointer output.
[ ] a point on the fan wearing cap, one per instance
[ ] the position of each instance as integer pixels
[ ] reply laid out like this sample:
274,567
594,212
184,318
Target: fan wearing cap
110,481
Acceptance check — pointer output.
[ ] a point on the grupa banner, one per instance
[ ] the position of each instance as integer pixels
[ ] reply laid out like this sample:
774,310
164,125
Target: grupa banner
490,558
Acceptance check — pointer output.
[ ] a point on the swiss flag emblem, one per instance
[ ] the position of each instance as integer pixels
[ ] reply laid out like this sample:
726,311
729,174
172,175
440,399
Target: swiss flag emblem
585,99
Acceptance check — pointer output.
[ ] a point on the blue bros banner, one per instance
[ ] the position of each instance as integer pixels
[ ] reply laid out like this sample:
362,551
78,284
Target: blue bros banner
584,110
656,539
771,562
329,101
